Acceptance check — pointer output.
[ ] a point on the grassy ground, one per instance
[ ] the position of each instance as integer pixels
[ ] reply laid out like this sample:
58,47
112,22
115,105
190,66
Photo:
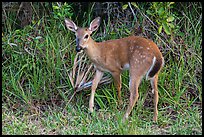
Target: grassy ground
36,88
76,120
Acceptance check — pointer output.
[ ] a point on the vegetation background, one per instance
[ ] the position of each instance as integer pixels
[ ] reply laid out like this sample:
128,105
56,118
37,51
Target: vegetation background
38,54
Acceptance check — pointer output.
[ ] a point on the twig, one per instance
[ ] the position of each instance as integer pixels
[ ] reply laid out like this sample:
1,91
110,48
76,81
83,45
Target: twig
105,80
85,75
72,96
28,51
132,10
75,64
147,18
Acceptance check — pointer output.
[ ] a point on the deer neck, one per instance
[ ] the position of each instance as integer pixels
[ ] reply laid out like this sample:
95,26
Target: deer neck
93,50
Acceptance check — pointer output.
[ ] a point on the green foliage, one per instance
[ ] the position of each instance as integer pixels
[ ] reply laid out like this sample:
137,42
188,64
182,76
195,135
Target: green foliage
162,14
60,12
124,7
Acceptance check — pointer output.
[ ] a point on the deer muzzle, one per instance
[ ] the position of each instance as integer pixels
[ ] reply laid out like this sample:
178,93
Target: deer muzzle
78,47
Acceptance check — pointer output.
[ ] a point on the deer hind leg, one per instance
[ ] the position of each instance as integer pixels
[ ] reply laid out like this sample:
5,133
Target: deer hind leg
134,95
96,80
117,82
154,81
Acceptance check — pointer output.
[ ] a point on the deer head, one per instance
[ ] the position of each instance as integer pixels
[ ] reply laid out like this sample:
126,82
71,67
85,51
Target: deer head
82,34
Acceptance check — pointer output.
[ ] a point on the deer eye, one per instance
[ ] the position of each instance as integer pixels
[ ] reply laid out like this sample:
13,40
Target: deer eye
86,36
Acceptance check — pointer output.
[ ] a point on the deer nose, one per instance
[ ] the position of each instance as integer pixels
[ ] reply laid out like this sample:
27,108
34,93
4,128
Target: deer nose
78,48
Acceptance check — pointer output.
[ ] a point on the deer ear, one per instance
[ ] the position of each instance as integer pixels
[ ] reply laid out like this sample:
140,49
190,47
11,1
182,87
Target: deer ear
95,24
71,25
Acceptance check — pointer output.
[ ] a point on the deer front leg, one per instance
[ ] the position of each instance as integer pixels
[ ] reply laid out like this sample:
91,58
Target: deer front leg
96,80
117,82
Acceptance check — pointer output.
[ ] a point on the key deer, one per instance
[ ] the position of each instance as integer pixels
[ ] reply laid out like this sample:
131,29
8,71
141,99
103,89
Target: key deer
140,55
